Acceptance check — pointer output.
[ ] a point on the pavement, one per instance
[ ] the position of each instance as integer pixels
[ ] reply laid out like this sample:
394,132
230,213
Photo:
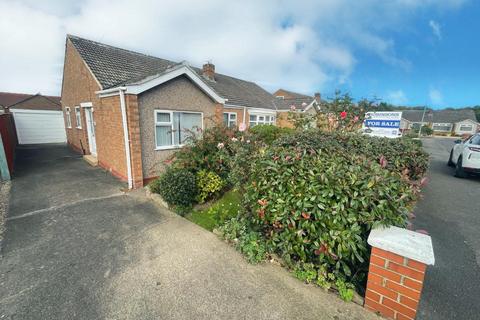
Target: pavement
450,212
78,247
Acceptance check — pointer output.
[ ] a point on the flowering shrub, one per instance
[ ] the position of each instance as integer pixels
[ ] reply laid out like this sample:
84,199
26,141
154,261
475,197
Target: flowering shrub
208,184
268,133
318,207
400,155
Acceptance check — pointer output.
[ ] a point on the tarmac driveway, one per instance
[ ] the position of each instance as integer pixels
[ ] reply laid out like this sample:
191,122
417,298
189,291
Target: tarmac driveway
77,247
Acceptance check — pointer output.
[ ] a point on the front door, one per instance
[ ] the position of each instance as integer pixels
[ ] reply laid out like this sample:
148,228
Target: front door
91,131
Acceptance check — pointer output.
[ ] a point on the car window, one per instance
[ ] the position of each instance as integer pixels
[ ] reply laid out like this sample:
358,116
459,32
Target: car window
475,140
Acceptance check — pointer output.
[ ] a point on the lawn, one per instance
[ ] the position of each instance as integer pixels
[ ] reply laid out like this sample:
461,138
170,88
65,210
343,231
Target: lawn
223,209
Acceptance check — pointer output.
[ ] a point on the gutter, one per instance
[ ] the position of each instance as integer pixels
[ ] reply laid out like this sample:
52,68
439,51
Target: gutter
125,134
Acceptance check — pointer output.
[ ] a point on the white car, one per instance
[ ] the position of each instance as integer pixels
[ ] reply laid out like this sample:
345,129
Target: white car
465,156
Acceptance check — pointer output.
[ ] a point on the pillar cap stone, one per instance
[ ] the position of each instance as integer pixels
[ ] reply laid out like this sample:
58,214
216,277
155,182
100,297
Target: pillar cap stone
406,243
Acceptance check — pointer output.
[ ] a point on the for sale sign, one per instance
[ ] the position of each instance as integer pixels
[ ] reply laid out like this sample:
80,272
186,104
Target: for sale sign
382,124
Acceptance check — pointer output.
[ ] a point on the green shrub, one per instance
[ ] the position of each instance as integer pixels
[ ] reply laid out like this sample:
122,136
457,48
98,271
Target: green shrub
154,186
427,131
400,154
208,184
319,207
177,187
248,241
268,133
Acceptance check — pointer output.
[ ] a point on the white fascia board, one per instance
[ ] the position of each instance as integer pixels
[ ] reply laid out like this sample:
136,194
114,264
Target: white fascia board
35,111
261,111
467,120
169,75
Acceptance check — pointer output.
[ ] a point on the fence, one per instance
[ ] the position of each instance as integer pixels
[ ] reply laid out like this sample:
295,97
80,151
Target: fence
7,145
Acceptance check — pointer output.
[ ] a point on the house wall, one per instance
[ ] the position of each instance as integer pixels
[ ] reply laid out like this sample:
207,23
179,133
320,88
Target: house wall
178,94
78,86
239,112
282,120
457,126
282,93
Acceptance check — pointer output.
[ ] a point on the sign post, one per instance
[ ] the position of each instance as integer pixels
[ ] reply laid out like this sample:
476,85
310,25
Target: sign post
382,124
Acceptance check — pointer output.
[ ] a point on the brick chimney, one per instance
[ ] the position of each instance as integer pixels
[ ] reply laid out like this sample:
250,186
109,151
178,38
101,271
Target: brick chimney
318,97
209,71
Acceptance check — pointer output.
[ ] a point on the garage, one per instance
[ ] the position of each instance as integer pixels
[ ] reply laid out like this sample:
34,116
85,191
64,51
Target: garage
39,126
38,119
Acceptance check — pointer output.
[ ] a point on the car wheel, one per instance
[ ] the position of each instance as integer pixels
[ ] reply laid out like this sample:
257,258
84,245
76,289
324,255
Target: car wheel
450,162
459,172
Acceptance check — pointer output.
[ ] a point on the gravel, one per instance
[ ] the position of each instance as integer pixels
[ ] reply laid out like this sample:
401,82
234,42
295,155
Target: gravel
4,193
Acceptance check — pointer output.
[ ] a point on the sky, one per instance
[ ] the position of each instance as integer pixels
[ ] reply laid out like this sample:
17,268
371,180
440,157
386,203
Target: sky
404,52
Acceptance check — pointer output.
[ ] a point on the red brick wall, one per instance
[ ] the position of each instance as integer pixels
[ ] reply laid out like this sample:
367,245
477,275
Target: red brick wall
133,117
394,285
78,86
9,138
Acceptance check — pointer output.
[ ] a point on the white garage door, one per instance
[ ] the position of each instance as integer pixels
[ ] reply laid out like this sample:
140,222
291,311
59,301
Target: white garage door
38,126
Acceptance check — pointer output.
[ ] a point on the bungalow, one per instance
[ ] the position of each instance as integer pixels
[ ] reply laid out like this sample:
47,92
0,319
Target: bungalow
287,100
129,111
456,122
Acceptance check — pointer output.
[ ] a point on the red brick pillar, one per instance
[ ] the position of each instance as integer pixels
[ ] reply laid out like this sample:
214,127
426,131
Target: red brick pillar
133,117
397,270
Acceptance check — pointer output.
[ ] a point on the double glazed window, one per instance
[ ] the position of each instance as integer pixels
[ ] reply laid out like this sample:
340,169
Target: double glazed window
78,118
466,127
442,126
261,119
172,128
67,117
230,119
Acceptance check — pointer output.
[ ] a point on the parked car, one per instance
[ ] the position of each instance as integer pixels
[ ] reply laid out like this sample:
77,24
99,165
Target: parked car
465,156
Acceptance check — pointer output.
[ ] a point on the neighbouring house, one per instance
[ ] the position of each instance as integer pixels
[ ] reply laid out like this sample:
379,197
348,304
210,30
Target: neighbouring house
129,111
38,118
287,101
456,122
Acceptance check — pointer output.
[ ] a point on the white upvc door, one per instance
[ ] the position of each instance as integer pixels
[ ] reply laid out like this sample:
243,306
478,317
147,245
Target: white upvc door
91,131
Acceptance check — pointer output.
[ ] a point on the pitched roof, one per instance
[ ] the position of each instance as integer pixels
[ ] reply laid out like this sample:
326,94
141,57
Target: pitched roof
440,116
38,102
29,101
9,98
300,101
114,66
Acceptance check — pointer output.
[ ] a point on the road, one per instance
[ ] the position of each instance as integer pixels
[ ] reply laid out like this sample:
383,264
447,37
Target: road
450,212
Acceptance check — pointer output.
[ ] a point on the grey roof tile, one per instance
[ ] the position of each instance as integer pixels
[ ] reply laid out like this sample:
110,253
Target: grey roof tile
439,116
114,66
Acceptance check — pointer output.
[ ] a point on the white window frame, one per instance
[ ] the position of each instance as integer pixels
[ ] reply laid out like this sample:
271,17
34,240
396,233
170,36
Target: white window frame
442,124
78,118
229,120
465,125
68,117
170,124
272,119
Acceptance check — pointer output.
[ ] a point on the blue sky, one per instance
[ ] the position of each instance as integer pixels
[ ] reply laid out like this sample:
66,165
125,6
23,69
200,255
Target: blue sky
444,67
408,52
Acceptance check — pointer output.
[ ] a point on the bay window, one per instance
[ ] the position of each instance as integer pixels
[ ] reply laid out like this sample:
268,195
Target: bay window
172,128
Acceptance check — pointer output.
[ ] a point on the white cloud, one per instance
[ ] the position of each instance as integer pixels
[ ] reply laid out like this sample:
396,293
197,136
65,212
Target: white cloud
301,45
436,97
436,29
397,97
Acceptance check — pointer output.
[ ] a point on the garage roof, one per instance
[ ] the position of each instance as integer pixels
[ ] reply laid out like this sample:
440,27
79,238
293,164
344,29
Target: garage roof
38,102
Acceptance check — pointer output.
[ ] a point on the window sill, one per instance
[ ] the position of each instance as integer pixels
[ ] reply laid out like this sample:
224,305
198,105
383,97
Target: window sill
79,128
168,148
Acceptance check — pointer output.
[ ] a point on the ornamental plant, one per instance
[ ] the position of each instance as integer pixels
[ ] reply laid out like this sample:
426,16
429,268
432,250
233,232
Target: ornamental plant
209,184
403,155
318,207
177,187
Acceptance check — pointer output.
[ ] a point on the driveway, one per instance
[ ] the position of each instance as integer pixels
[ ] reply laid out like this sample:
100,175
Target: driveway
77,247
450,212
